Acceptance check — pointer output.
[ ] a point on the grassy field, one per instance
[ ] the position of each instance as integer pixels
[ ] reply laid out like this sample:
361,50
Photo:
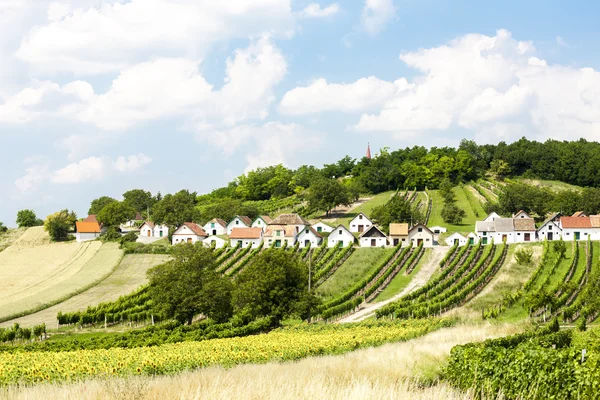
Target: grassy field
37,273
360,263
401,280
553,185
366,208
9,237
468,223
129,275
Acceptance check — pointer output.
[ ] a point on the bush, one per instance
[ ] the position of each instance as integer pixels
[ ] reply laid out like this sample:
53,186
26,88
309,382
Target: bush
128,238
524,256
112,234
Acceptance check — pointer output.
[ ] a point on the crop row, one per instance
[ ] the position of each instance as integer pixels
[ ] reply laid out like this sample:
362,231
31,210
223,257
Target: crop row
328,255
236,268
222,268
341,256
471,200
449,255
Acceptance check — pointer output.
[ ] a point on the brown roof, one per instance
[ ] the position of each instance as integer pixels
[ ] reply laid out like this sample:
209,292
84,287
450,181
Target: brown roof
149,223
91,218
219,221
575,222
289,219
266,218
138,217
289,230
246,220
579,214
595,221
197,229
317,234
87,227
399,229
246,233
524,224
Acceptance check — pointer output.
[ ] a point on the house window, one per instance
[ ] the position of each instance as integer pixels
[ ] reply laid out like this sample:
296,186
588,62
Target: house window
319,229
427,240
484,233
212,224
403,239
237,222
340,232
420,229
307,231
519,234
277,233
360,217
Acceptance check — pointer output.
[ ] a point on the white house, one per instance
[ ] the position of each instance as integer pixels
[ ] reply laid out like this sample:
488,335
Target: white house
261,222
421,234
280,234
219,242
373,237
322,227
134,222
340,236
189,232
550,229
491,217
438,229
248,237
290,219
522,215
511,230
360,223
87,231
399,234
239,221
215,226
149,229
456,238
580,228
309,236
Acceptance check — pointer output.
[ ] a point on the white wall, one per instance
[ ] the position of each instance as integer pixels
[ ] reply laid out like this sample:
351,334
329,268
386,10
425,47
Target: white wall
511,237
366,242
219,242
183,238
549,228
461,241
569,233
259,223
335,237
146,231
254,243
314,240
235,223
163,228
424,235
365,222
84,237
220,230
324,227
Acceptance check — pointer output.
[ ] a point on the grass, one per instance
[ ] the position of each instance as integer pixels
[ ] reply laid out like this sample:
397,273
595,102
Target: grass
366,208
468,223
128,276
10,236
356,267
401,280
556,186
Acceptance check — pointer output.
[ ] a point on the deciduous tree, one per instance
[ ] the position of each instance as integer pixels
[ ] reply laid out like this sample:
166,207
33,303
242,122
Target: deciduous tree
116,213
27,218
98,204
326,194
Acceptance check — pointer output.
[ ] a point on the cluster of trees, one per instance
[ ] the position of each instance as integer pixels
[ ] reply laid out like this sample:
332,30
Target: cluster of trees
60,224
397,209
27,219
451,213
273,285
16,332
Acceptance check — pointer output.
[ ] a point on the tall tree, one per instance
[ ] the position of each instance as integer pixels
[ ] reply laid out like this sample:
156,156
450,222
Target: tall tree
396,210
188,285
59,224
116,213
175,209
99,203
139,199
326,194
27,218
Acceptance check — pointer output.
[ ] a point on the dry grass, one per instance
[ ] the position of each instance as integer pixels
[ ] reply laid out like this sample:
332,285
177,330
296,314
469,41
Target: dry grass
8,238
129,275
35,272
406,370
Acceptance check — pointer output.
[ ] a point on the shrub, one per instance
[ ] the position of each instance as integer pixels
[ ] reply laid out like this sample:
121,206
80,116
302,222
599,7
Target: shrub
128,238
524,256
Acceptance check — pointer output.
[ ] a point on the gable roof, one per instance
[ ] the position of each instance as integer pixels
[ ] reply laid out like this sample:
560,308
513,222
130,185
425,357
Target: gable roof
288,230
323,223
265,218
246,220
246,233
87,227
91,218
341,227
575,222
492,216
595,221
197,229
420,226
149,223
524,224
363,214
399,229
485,226
138,217
521,212
579,214
311,229
289,219
373,231
550,219
218,221
456,235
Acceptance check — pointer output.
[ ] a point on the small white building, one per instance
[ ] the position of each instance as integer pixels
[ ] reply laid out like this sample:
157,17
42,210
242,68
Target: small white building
360,223
87,231
248,237
373,237
309,236
291,220
278,235
580,228
138,219
421,234
322,227
215,226
491,217
456,238
149,229
218,242
438,229
550,229
261,222
340,236
510,230
189,232
239,221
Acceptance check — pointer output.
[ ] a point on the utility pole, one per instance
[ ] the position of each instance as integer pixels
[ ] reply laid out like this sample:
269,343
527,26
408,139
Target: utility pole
309,279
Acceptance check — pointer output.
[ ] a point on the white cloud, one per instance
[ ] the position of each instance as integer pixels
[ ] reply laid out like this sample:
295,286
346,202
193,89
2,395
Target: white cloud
376,15
561,42
494,85
314,10
131,163
88,169
110,36
362,95
34,175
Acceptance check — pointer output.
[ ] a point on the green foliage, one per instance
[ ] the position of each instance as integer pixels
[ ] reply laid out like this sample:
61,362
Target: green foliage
140,200
27,219
452,214
129,237
3,228
501,168
175,209
188,285
59,224
398,209
116,213
98,204
228,208
560,247
326,194
524,256
582,325
340,256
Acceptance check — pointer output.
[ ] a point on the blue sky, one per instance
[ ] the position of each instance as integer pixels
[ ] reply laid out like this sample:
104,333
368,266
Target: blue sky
98,97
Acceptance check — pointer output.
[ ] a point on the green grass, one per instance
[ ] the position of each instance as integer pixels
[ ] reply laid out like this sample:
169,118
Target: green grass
359,265
366,208
401,280
468,223
553,185
164,242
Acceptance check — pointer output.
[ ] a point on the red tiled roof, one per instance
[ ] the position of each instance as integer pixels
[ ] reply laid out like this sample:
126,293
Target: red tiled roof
246,233
91,218
138,217
575,222
149,223
219,221
197,229
87,227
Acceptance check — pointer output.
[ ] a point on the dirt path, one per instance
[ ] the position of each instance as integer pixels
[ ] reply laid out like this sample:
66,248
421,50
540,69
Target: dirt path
419,280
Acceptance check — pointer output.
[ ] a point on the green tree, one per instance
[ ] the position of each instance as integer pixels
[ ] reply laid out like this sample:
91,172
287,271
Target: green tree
274,284
116,213
396,210
446,191
188,285
27,218
98,204
501,168
59,224
139,199
560,247
524,256
452,214
3,228
326,194
175,209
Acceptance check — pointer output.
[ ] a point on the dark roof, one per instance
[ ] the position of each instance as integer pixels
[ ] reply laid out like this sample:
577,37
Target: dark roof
373,231
289,219
91,218
524,224
246,233
138,217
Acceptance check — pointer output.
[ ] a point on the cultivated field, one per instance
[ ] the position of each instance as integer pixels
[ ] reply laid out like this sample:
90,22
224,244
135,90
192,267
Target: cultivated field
129,275
36,272
8,238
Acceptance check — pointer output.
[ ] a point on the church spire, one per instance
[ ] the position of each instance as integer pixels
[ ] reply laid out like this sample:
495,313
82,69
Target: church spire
369,151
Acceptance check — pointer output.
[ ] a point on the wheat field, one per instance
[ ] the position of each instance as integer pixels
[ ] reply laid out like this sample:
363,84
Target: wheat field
407,370
36,272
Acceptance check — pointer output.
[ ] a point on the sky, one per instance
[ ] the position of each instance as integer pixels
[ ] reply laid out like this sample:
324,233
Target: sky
101,96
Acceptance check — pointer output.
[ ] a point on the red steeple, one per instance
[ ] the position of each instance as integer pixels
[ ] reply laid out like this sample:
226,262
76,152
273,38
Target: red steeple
369,151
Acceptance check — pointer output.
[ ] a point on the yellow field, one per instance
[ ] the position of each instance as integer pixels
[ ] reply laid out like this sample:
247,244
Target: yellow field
36,272
129,275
